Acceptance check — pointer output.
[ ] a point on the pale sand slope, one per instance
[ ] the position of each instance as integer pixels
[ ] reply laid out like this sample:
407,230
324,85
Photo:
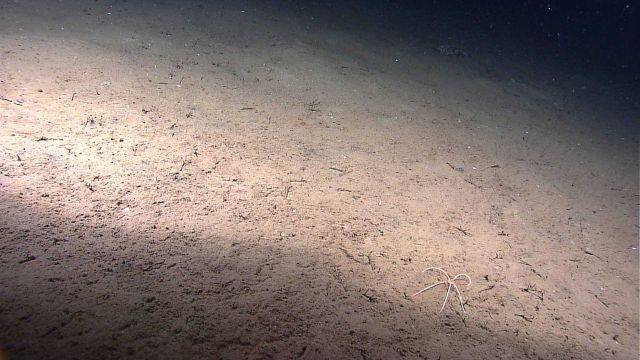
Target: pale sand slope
239,180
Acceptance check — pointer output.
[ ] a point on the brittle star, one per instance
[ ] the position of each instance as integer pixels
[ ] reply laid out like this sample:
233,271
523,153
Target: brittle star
451,282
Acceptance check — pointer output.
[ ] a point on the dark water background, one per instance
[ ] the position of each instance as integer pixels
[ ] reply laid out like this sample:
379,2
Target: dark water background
592,32
600,38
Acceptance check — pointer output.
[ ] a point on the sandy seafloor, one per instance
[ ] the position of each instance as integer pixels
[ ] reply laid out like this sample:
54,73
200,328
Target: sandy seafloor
262,179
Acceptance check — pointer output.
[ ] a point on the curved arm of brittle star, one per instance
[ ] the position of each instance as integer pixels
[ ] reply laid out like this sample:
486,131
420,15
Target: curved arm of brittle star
429,287
460,276
439,269
447,296
459,296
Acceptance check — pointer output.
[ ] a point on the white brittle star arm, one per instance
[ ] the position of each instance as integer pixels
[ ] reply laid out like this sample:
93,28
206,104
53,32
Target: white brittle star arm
429,287
459,276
